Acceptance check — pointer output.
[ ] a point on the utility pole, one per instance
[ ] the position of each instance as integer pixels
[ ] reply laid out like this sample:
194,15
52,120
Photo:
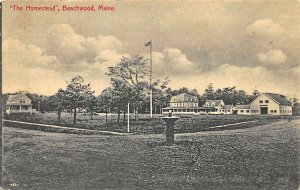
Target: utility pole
150,44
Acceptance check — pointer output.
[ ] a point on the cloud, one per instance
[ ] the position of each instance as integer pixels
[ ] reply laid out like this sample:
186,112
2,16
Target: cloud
243,77
264,27
296,71
75,51
45,69
26,54
274,57
172,61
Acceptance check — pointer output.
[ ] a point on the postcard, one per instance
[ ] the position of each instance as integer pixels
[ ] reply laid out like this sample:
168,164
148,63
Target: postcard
150,94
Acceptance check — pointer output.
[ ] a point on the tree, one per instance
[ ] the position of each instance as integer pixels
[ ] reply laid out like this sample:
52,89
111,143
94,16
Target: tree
58,100
91,105
209,93
77,94
242,97
229,95
105,101
255,92
129,82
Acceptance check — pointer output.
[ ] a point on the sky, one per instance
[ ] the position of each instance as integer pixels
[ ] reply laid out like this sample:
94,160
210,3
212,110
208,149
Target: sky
247,44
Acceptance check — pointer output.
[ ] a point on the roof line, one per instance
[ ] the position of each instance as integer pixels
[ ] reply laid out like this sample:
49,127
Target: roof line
272,98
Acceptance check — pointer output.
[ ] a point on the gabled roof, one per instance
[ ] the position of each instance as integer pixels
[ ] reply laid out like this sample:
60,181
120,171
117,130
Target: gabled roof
13,97
242,107
280,99
212,103
184,97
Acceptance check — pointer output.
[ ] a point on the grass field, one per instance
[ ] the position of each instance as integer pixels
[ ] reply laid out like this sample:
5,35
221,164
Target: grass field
263,157
146,125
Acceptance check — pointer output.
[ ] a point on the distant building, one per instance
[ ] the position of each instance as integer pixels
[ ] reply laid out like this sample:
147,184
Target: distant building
18,103
271,104
265,103
242,110
213,106
183,104
227,109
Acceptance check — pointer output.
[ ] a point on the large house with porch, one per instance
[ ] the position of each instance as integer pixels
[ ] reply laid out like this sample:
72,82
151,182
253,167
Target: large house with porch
183,104
18,103
189,104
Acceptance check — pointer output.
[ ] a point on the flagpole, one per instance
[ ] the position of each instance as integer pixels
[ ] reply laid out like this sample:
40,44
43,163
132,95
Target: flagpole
128,115
151,78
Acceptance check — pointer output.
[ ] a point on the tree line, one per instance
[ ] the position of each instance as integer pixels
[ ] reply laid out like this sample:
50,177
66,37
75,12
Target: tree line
129,84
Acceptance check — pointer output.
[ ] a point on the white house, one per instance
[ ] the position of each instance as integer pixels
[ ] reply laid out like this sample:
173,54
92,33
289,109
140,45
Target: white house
183,104
242,110
227,109
18,103
213,106
272,104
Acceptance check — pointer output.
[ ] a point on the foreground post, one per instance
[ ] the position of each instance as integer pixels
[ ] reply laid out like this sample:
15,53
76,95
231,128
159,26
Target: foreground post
170,122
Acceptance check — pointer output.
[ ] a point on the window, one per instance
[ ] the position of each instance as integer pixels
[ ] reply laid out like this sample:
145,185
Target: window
266,101
275,111
271,111
247,111
261,101
22,101
242,111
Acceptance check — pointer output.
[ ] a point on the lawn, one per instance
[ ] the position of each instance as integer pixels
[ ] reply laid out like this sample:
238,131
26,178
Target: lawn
263,157
146,125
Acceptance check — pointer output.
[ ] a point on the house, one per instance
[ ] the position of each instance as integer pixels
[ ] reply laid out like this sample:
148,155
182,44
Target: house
18,103
272,104
242,110
183,104
227,109
213,106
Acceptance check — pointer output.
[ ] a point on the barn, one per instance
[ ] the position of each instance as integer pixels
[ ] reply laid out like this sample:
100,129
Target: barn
271,104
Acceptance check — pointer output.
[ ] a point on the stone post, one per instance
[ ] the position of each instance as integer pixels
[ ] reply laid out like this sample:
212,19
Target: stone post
170,122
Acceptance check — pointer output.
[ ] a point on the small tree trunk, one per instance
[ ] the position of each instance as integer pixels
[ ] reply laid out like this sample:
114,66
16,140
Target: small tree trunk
106,115
118,116
91,115
134,112
74,120
137,114
124,114
58,116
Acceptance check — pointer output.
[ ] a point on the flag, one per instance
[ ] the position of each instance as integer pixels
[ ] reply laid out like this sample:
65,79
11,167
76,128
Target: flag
147,44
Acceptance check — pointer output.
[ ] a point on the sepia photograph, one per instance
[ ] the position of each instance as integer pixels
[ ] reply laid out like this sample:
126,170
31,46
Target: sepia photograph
158,95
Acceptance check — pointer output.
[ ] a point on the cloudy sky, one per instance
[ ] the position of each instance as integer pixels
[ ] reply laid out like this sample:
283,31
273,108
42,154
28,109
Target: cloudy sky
244,44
